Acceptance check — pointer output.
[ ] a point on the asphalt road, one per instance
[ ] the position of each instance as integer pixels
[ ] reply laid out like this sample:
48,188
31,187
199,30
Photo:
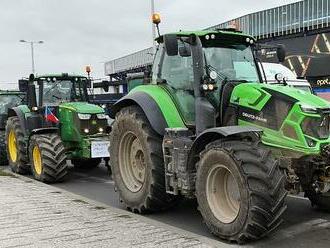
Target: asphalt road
303,226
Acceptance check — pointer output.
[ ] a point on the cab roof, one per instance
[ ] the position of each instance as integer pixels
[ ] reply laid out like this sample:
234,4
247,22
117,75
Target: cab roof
59,75
11,92
203,33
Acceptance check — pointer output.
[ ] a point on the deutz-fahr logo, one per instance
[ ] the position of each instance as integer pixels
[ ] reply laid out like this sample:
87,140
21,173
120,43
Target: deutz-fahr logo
254,117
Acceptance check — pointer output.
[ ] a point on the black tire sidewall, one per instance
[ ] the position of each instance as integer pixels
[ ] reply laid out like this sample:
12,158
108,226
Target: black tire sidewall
20,165
209,160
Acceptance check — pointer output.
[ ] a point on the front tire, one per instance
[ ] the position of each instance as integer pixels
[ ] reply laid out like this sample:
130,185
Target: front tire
16,147
240,190
48,159
136,160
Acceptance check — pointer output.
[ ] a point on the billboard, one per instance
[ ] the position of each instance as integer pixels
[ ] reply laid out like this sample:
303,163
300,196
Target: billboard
309,57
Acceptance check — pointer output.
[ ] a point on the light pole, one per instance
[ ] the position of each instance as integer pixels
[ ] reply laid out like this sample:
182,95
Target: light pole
152,25
32,50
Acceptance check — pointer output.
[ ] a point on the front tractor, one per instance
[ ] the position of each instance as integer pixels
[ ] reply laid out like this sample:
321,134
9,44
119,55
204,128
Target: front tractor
57,124
8,99
206,126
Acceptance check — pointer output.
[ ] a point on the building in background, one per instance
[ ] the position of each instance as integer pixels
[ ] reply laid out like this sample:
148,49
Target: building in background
303,27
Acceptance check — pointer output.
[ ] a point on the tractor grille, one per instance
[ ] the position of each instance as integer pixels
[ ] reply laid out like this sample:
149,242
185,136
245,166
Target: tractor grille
316,127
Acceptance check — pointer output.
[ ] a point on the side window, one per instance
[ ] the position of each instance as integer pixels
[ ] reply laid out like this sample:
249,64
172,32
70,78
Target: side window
178,71
156,64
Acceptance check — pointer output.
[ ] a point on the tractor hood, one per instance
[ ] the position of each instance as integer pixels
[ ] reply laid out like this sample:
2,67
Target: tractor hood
255,95
83,107
301,96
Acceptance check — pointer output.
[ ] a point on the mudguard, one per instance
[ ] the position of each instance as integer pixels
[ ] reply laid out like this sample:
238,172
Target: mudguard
149,106
217,133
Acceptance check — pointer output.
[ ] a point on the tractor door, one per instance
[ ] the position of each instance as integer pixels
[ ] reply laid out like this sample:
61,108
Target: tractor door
176,74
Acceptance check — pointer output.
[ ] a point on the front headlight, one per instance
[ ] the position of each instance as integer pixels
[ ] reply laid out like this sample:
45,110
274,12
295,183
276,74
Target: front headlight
84,116
101,116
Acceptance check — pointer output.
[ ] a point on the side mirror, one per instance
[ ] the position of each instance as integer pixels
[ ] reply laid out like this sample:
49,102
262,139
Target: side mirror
185,51
23,85
171,44
281,53
279,77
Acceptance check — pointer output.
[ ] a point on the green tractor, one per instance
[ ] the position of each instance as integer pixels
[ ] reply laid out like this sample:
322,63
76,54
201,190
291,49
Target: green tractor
206,127
8,99
56,124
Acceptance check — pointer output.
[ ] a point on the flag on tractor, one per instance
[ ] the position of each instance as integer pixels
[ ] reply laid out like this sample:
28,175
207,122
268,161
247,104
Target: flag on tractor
50,116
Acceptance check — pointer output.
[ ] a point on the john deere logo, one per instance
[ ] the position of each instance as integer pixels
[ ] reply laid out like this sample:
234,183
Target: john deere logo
94,122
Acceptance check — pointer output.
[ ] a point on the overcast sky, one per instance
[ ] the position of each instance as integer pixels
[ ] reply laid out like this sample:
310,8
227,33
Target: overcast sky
80,32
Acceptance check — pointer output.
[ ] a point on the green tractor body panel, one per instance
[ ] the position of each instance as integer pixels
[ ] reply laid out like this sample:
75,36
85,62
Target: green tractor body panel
83,108
165,102
72,132
282,119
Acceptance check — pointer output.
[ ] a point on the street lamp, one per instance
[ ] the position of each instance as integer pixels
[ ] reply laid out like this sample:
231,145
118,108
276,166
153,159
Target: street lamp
153,26
32,50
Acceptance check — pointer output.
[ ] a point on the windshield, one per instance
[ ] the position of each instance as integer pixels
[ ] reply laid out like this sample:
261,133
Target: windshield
235,62
9,101
304,88
56,91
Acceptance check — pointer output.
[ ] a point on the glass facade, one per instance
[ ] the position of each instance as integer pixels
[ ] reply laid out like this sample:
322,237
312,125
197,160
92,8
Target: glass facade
283,20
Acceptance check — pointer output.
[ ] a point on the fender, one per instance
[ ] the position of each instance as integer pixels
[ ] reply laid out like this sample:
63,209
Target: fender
155,103
20,113
217,133
44,130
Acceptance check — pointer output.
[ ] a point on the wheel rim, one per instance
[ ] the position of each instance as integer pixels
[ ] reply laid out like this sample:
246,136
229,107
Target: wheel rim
12,146
37,160
132,164
223,194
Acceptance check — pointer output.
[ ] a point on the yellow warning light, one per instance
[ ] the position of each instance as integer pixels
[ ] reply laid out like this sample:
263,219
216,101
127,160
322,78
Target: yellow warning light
156,18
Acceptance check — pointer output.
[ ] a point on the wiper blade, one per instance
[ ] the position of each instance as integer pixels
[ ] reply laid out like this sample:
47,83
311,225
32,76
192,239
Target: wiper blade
238,80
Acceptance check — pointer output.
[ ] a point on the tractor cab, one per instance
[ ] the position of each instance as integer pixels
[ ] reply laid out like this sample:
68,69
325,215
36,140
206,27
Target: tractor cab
52,90
226,60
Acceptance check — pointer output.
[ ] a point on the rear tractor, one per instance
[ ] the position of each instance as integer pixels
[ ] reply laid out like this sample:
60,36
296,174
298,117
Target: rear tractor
8,99
57,124
206,127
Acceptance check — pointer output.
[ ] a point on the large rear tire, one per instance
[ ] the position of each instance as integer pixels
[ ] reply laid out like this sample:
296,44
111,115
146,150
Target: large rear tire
136,160
16,145
3,153
240,190
48,159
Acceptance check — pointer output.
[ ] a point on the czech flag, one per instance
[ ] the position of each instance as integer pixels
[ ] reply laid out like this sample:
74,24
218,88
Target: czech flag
50,116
